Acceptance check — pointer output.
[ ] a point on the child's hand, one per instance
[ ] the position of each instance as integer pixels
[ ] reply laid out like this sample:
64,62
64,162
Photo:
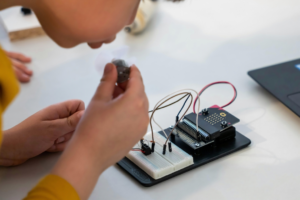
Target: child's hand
117,116
18,61
116,119
47,130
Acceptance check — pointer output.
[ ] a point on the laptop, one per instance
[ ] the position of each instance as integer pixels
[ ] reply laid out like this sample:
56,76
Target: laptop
283,81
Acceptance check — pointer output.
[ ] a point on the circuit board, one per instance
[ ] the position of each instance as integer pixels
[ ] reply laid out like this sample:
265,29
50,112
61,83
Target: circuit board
211,122
197,138
194,141
233,145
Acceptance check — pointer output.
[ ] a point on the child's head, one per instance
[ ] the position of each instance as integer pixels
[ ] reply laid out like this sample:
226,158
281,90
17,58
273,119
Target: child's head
71,22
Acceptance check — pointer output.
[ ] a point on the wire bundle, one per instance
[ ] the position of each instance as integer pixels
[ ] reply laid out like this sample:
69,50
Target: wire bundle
159,105
185,93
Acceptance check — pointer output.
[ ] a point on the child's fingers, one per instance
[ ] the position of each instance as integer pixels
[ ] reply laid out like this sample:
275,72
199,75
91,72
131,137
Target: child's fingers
62,110
118,91
135,91
64,138
58,147
59,127
21,67
106,87
18,56
60,143
22,77
135,83
123,85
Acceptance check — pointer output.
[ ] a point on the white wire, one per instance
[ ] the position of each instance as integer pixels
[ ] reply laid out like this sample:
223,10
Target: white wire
139,145
155,107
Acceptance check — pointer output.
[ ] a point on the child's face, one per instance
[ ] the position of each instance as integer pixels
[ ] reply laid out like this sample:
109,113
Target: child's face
71,22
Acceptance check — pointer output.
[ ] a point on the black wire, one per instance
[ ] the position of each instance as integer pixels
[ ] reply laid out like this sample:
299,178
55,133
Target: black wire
177,117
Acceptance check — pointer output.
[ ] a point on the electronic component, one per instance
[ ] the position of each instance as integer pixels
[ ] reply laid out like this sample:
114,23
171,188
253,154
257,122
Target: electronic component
170,146
164,149
197,138
191,129
123,70
196,145
158,165
205,111
212,123
133,166
213,128
152,146
145,148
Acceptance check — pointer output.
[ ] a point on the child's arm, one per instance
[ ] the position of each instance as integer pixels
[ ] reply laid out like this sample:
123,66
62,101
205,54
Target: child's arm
108,130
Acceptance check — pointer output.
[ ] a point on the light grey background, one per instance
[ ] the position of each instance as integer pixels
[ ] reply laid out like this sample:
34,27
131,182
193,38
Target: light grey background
187,45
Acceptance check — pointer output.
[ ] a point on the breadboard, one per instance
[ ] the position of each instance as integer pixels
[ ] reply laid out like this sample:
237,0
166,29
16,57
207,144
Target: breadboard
158,165
19,26
239,142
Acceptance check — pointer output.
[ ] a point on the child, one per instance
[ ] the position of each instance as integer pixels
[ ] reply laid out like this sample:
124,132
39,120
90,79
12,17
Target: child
115,119
18,62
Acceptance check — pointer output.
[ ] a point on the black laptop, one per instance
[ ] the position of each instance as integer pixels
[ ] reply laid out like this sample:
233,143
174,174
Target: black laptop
283,81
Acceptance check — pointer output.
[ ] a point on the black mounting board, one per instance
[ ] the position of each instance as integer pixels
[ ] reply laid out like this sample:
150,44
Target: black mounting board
223,149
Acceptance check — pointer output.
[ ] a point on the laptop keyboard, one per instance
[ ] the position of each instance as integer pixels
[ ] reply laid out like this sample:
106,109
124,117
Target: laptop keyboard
295,98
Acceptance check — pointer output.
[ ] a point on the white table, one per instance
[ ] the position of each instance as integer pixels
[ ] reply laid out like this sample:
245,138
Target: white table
188,45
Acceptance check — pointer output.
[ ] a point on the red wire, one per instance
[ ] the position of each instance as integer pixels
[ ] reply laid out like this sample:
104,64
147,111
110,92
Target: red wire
218,82
137,150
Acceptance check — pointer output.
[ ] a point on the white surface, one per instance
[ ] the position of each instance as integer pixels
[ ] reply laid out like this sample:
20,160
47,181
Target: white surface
156,164
188,44
14,20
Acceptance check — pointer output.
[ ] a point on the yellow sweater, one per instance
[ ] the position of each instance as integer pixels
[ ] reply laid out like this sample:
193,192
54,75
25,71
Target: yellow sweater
51,187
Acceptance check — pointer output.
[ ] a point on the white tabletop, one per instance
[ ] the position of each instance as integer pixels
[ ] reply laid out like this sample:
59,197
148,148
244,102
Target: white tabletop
188,45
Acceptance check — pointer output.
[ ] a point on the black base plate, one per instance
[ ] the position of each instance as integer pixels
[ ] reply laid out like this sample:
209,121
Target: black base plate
211,154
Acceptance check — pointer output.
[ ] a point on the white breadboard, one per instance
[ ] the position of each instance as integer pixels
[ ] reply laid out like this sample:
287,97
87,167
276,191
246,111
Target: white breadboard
158,165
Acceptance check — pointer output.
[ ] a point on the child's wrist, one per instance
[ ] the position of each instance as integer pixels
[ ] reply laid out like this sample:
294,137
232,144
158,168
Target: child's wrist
80,166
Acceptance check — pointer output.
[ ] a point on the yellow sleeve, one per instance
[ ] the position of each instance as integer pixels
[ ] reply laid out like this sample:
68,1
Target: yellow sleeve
8,82
53,187
9,86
